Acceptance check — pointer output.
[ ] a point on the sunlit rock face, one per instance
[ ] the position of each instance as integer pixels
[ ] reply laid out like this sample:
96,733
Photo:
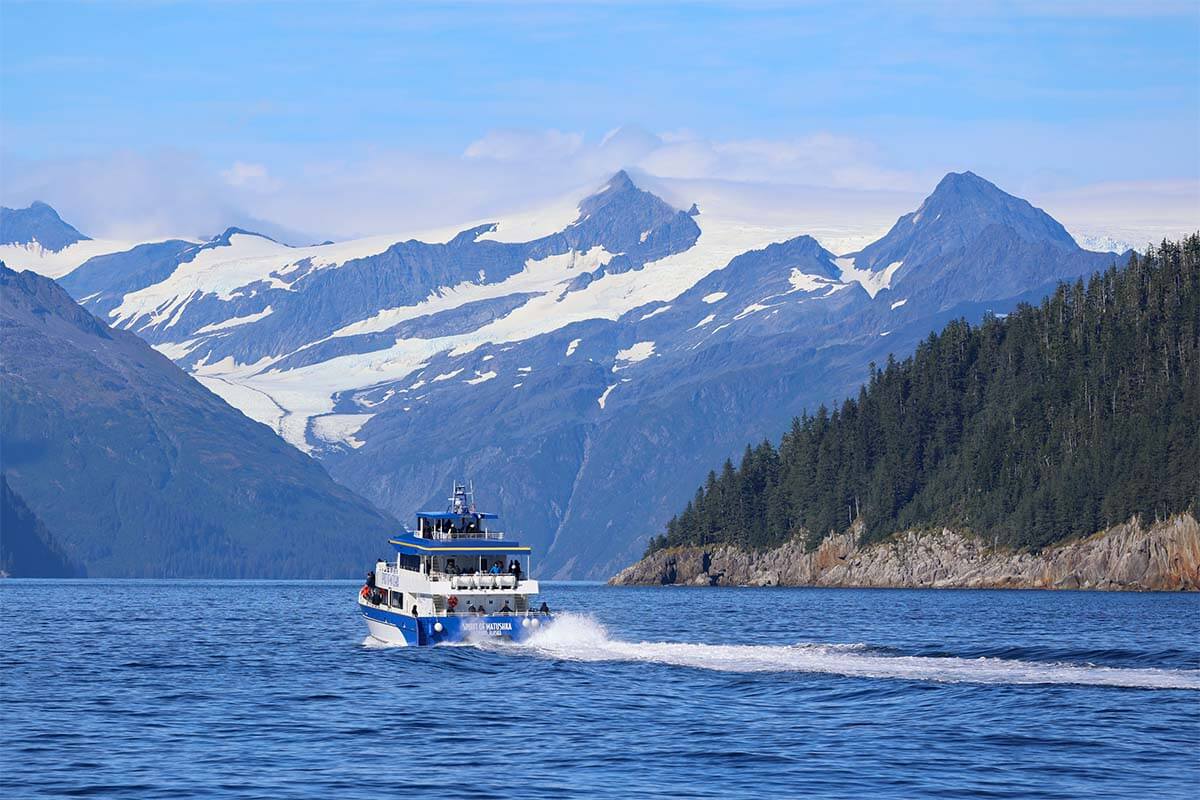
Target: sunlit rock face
1164,556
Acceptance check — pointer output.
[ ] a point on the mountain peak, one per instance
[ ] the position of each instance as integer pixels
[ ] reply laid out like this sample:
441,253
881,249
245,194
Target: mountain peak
621,196
619,184
957,183
963,205
958,179
223,240
621,181
966,176
967,234
39,223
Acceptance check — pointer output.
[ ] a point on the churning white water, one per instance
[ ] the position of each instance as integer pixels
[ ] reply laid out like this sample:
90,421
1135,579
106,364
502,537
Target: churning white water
574,637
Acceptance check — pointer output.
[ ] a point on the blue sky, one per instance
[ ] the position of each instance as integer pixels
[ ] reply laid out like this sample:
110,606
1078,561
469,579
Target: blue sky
267,110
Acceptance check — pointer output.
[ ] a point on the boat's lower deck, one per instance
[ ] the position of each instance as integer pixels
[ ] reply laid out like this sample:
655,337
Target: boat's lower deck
393,627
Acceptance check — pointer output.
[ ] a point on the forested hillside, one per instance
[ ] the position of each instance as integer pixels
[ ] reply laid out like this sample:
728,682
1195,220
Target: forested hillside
27,549
1057,421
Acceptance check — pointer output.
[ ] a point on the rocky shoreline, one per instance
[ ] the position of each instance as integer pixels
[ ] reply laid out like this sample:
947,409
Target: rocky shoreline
1162,557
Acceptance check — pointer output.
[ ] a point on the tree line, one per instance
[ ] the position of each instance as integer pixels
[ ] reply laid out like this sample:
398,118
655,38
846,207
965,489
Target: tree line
1056,421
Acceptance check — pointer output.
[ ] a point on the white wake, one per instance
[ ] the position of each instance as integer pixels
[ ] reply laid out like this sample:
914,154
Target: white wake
371,643
577,638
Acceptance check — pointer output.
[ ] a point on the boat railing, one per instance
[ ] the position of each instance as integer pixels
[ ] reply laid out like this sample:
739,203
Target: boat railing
458,581
484,580
445,536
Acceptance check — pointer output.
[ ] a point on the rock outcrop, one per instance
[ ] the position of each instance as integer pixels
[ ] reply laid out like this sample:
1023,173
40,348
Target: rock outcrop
1162,557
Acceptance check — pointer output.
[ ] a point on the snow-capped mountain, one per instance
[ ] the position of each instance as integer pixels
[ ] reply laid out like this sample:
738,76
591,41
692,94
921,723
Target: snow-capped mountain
585,365
38,239
1122,243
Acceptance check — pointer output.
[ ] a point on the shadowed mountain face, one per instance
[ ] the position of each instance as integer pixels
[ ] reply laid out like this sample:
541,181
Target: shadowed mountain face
37,224
138,470
27,549
586,374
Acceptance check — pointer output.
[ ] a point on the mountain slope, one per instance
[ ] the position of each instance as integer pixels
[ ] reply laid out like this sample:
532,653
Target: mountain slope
583,364
140,471
27,549
1056,422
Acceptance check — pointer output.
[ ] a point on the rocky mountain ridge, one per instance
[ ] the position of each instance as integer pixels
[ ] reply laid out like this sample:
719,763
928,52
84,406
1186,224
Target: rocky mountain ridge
1162,556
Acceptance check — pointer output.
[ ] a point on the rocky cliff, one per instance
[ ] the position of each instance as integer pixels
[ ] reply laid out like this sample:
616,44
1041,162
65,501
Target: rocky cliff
1162,557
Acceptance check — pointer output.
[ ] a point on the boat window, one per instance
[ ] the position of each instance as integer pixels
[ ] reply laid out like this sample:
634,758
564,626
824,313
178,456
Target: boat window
409,562
397,599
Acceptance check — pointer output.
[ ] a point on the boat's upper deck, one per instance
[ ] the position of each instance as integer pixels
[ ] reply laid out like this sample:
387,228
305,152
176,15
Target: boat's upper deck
460,561
449,545
457,550
456,525
460,520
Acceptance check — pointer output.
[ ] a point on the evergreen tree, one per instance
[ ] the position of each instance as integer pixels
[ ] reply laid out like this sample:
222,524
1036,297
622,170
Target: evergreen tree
1054,422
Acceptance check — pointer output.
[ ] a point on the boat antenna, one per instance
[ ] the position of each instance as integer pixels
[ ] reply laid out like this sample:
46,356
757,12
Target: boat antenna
463,501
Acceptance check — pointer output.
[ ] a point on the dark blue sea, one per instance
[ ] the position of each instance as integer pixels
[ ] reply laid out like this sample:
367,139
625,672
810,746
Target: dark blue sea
182,689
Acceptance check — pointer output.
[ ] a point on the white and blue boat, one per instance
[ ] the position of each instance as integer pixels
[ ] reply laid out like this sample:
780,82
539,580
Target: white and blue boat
454,578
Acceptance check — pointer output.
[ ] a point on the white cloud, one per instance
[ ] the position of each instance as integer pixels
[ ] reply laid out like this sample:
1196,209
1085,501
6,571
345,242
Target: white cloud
251,176
818,159
515,145
126,195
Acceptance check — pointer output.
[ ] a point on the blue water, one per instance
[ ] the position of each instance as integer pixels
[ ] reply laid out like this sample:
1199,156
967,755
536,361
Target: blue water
236,689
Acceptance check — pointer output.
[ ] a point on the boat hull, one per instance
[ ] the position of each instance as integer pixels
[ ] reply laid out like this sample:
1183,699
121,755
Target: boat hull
395,628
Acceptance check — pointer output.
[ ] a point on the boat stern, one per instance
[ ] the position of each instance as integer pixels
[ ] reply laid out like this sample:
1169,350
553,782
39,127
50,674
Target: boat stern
464,628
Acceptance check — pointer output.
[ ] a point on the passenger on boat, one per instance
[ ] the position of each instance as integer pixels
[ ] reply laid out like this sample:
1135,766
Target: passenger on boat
451,568
471,608
495,570
545,609
506,609
514,569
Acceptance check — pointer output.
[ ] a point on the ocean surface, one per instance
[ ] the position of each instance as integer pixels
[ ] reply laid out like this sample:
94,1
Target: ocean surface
177,689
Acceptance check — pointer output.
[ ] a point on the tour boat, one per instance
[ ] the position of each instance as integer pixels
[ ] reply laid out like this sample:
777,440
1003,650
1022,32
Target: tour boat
454,579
